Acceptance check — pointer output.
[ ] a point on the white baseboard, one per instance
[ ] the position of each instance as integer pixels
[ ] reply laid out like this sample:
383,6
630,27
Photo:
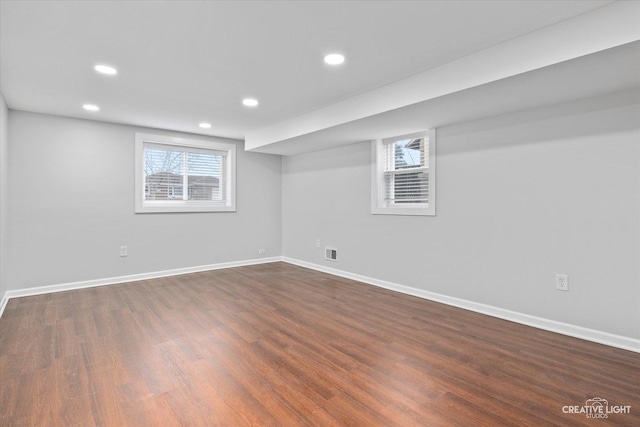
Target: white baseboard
593,335
124,279
3,303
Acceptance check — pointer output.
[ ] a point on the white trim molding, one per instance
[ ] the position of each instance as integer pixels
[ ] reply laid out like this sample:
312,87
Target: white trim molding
382,154
224,150
3,303
126,279
587,334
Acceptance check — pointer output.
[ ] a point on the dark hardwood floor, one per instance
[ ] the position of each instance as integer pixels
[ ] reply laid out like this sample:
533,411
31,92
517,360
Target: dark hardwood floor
280,345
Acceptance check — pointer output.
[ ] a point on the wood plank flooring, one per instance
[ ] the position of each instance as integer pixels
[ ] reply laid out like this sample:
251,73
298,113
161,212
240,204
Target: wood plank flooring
280,345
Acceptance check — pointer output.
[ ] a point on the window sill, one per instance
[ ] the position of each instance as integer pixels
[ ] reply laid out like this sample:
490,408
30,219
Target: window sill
421,211
182,208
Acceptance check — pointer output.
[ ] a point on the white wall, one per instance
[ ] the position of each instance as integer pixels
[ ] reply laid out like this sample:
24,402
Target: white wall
4,206
72,207
520,198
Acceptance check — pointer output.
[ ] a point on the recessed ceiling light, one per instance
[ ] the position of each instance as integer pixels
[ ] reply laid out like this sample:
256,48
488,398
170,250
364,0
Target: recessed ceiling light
334,59
250,102
204,125
105,69
91,107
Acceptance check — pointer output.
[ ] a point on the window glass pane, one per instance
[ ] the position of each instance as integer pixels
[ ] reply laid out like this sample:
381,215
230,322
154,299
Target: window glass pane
205,172
409,153
163,174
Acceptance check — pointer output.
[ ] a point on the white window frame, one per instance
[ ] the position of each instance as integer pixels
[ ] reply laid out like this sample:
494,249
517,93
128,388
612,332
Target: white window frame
158,206
379,206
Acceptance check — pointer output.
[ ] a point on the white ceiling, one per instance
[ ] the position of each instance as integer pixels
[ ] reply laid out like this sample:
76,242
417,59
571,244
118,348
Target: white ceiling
184,62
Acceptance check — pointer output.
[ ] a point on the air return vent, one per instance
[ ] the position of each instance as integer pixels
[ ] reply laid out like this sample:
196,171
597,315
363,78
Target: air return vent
331,254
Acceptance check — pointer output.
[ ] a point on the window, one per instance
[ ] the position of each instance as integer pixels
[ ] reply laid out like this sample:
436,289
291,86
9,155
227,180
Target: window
184,175
403,175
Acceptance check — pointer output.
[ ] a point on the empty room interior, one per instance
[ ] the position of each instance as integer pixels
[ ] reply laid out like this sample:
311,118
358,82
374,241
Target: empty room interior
326,213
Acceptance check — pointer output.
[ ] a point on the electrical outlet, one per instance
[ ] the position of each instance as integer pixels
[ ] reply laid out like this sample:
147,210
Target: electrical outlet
123,251
262,251
562,282
317,243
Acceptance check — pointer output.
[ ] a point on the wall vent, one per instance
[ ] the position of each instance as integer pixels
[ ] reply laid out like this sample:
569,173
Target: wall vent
331,254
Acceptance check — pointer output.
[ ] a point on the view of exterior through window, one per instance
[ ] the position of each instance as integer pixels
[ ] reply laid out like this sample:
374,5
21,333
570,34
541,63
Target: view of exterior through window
182,175
403,175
